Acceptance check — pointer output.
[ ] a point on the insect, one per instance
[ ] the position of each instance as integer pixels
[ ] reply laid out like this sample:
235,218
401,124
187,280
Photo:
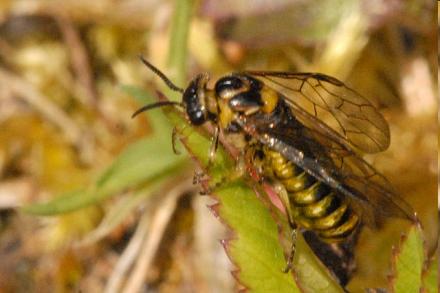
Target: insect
325,186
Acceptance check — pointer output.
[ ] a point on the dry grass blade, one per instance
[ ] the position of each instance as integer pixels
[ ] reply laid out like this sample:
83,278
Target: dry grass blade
150,246
128,256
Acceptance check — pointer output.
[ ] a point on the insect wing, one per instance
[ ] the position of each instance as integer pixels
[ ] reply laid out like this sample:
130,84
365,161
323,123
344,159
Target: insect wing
369,191
332,163
316,97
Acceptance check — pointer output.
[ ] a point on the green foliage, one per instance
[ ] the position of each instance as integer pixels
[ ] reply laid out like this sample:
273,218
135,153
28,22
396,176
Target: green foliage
145,161
310,272
408,263
430,276
255,248
122,209
256,251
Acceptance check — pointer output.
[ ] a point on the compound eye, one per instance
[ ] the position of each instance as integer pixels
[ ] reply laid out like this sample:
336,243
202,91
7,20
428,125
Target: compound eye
229,83
193,100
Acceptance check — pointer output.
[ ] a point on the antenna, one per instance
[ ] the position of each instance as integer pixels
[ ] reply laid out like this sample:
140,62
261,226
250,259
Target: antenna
159,73
155,105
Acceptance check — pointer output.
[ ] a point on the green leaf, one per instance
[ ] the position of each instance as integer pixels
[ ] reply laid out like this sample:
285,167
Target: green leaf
255,248
408,263
68,201
430,276
158,122
312,275
198,146
145,160
119,211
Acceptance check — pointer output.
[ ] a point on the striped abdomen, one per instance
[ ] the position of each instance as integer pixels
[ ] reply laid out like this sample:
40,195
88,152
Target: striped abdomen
313,205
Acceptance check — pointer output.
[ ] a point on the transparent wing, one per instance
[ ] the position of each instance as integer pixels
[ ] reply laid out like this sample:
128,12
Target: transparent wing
322,102
368,190
332,163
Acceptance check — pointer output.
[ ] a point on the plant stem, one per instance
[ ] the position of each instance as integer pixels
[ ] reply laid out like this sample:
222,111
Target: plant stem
178,41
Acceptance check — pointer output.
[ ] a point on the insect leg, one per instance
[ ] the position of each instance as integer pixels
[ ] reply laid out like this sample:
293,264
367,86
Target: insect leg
289,263
284,197
239,171
198,175
214,146
173,140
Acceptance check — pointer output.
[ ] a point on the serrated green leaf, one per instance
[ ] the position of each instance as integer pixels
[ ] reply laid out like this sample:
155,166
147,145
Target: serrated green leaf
408,263
256,248
430,277
198,146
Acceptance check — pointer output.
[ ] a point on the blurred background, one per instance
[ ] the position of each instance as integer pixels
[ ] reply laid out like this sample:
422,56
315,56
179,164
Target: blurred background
70,78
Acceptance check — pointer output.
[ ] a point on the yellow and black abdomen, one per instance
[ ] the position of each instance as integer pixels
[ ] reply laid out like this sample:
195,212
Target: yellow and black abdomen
313,205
